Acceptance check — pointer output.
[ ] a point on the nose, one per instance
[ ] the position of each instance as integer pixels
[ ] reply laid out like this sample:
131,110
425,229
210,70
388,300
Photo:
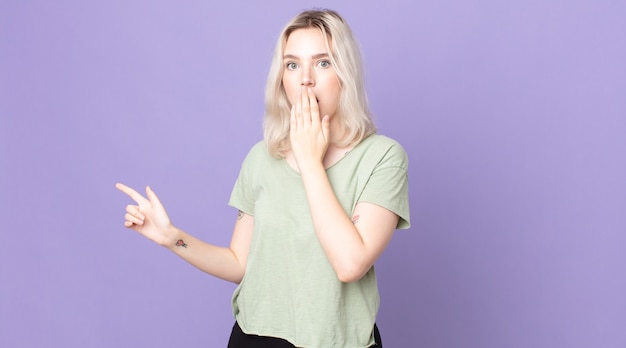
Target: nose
307,78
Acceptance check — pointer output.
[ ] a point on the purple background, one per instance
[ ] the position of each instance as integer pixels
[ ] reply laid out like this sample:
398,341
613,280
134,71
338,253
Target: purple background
513,115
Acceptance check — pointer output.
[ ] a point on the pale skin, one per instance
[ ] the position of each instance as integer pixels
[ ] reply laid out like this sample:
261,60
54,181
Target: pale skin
352,244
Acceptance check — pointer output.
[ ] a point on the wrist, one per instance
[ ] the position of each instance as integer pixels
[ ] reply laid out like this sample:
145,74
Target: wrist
310,166
172,236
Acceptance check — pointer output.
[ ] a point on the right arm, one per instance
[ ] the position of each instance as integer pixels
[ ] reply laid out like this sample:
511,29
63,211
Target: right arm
149,218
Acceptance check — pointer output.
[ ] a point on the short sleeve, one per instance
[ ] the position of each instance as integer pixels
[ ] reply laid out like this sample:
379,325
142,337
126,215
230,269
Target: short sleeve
388,185
242,195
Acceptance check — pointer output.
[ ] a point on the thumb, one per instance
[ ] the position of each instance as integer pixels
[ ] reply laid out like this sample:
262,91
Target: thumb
153,197
326,126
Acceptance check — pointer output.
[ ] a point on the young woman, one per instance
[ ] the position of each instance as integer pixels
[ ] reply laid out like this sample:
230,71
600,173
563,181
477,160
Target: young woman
318,201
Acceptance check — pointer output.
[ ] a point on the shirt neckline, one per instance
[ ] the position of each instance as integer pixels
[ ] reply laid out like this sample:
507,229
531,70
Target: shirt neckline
342,159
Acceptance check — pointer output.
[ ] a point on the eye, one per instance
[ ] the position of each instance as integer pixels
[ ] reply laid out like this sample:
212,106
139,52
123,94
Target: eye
324,64
291,66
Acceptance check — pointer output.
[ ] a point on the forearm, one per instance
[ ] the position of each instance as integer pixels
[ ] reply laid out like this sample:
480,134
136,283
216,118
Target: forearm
335,230
220,262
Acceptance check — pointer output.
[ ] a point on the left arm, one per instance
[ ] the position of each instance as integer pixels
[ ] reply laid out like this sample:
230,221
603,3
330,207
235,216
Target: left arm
352,245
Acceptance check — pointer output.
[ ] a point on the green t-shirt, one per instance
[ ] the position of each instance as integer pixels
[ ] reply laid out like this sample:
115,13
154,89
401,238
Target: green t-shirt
290,290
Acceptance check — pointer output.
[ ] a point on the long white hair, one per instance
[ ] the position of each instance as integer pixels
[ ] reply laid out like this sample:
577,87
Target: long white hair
353,110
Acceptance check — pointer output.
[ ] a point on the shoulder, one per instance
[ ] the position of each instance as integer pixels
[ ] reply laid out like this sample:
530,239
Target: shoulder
259,158
388,150
257,151
260,147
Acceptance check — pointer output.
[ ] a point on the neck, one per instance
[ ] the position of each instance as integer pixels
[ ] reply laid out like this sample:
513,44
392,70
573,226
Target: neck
338,133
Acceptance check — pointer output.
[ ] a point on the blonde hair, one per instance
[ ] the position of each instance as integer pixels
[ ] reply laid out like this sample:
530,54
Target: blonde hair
353,110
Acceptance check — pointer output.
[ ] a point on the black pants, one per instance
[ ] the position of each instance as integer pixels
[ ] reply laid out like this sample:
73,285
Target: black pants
239,339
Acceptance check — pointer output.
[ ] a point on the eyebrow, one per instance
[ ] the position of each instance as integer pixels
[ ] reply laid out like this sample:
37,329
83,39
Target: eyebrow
315,56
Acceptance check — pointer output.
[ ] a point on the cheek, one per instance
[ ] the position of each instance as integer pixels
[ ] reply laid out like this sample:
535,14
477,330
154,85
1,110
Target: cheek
335,92
290,89
332,85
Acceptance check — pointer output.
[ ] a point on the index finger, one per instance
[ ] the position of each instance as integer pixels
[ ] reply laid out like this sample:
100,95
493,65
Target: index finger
314,107
136,196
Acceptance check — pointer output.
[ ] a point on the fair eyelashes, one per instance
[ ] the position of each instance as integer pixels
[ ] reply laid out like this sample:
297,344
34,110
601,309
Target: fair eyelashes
322,63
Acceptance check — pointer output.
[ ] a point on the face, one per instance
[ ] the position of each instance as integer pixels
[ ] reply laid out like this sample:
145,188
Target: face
307,63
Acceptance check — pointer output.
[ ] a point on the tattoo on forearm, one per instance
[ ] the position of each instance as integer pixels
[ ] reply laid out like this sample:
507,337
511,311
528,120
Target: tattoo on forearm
355,219
239,215
181,243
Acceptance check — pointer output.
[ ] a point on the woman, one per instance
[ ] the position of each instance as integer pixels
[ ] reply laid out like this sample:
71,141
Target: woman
318,201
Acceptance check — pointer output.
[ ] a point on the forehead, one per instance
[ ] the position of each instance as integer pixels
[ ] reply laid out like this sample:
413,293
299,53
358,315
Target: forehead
303,42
